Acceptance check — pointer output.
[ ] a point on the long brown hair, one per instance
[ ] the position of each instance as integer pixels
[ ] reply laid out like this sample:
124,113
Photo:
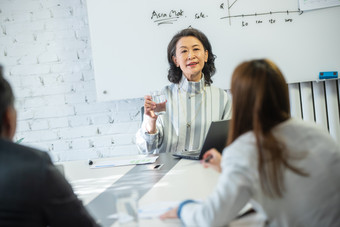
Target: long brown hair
260,102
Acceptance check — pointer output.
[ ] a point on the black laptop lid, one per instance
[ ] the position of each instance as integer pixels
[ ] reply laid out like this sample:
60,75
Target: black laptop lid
216,137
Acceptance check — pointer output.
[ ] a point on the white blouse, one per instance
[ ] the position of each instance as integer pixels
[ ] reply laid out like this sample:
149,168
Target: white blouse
308,201
190,108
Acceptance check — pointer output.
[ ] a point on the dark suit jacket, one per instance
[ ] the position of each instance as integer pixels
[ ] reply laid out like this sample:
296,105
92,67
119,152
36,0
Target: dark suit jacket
34,193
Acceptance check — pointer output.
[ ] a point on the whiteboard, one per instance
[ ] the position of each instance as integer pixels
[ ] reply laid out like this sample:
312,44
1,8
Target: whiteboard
129,39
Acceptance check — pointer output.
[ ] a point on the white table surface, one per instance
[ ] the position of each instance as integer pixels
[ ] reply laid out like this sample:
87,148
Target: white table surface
186,180
88,183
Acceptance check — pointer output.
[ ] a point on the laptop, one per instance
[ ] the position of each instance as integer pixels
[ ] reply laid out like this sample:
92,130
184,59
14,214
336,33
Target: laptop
216,138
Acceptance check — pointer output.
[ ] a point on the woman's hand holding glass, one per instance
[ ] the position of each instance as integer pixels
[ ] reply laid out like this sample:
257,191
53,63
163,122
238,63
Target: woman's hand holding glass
153,109
155,104
159,98
149,107
214,160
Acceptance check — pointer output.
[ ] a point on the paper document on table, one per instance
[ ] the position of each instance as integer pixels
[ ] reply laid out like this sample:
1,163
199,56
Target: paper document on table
124,162
155,210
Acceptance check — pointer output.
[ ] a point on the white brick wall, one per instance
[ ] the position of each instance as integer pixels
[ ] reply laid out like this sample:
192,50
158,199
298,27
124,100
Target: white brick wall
46,53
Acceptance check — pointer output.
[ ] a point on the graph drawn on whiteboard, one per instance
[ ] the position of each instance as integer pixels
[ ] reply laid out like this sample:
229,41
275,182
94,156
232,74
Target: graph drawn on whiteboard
317,4
230,4
228,10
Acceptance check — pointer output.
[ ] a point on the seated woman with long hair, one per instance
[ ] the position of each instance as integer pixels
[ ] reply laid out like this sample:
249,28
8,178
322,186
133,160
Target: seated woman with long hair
288,169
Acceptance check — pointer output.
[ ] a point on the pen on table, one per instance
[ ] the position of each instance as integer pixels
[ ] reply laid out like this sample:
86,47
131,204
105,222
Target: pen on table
208,158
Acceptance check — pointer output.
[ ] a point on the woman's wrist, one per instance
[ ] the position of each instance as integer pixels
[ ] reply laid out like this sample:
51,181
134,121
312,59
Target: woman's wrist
181,205
150,126
152,132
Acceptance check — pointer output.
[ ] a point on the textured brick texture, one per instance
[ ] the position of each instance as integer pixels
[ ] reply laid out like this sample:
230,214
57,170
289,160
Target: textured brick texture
46,53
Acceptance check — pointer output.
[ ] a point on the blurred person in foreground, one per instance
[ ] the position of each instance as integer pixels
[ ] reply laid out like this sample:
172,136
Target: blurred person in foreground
32,190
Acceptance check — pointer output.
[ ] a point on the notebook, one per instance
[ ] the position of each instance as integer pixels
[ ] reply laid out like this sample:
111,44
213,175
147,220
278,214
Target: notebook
216,138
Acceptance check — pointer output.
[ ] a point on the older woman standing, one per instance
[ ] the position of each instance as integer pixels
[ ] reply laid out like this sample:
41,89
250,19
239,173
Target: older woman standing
192,102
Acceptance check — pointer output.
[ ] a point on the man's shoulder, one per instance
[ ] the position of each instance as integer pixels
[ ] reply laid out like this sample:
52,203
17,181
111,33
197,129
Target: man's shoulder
9,148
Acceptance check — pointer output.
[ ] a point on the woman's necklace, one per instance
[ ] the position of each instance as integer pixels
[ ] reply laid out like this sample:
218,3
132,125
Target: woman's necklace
188,124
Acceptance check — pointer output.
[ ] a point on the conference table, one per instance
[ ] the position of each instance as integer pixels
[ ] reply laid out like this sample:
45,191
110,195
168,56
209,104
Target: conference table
167,181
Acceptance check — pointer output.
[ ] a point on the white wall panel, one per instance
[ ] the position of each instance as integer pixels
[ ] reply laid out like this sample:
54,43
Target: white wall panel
295,103
320,104
333,108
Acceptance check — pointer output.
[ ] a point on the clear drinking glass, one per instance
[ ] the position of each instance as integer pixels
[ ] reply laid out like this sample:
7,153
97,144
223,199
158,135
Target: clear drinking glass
127,207
160,99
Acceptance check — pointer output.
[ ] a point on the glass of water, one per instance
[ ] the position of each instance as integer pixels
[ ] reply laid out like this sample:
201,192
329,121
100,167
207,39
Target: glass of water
127,207
160,99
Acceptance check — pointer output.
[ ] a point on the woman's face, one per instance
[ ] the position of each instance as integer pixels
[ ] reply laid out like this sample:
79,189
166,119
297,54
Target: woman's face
190,57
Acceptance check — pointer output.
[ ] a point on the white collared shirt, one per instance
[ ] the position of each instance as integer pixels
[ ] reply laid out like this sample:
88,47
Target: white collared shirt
190,108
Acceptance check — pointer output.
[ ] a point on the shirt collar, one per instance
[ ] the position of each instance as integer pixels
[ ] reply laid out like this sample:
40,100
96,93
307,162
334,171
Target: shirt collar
190,86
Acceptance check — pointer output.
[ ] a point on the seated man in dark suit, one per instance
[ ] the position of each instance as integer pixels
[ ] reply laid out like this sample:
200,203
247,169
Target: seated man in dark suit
32,191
